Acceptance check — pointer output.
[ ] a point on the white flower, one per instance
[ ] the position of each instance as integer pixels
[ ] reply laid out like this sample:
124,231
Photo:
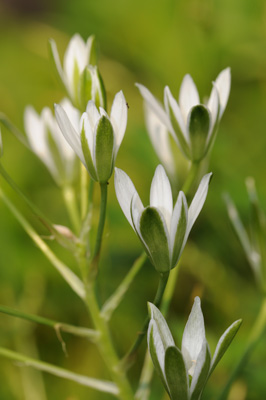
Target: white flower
191,123
47,142
185,373
77,57
162,227
99,136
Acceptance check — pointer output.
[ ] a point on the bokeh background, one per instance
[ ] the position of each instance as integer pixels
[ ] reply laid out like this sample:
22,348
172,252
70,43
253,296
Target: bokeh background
155,43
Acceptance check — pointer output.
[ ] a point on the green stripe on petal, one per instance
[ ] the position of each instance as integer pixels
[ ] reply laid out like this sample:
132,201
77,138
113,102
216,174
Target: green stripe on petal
87,154
104,149
176,374
198,127
180,218
153,231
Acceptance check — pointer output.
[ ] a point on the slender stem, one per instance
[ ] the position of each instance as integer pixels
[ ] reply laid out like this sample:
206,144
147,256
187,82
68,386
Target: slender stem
58,326
255,335
69,276
106,347
97,384
112,303
83,191
98,242
71,205
129,358
191,178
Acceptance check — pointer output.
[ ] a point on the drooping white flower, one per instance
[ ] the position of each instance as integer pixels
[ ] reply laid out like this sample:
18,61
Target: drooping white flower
162,227
77,57
47,142
98,138
184,373
191,123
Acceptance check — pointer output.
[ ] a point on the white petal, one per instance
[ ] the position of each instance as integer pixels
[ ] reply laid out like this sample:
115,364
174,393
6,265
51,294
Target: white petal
89,133
159,346
175,218
170,101
160,139
188,96
198,201
194,335
161,195
196,369
57,61
75,56
164,330
125,191
213,106
118,118
93,114
136,209
223,84
37,136
155,105
70,134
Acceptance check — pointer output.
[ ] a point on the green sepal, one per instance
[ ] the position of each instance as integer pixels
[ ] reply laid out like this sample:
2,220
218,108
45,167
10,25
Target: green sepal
180,235
85,87
224,342
153,353
87,155
198,127
93,52
176,374
197,388
100,92
154,235
104,148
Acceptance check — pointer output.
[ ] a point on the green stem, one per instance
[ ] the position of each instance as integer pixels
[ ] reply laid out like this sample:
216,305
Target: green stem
98,242
106,347
191,178
112,303
143,391
130,356
83,191
97,384
71,205
255,335
58,326
69,276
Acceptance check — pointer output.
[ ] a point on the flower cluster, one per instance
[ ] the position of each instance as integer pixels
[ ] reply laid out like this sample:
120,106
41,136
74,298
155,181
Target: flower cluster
185,372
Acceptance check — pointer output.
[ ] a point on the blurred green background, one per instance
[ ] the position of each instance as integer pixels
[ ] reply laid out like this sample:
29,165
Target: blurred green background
155,43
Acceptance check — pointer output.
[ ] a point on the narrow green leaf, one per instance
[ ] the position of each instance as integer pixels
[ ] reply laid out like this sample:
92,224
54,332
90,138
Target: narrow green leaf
198,126
104,149
224,343
153,231
102,386
176,374
201,373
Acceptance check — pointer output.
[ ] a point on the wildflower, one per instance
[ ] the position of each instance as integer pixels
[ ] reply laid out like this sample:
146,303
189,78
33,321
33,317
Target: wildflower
185,373
99,136
192,124
162,228
47,142
79,74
